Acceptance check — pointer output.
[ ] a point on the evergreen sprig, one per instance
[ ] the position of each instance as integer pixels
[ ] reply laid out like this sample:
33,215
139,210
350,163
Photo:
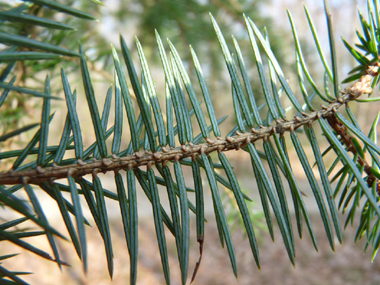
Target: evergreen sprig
356,153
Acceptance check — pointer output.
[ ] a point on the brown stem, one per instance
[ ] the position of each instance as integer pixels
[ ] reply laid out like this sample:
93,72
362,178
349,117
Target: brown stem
347,140
79,169
363,85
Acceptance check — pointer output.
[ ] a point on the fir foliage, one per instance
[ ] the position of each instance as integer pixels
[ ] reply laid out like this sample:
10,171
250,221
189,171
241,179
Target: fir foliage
172,141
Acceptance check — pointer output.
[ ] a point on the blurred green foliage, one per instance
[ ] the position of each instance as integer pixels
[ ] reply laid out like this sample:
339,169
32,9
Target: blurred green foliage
184,22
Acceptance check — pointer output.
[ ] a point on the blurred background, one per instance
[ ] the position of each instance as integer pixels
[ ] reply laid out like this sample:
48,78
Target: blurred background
185,23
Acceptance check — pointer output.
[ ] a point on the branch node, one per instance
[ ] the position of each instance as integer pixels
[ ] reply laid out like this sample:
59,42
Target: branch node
247,141
71,171
184,148
367,90
106,162
209,141
177,158
95,172
25,180
40,170
230,139
149,165
157,155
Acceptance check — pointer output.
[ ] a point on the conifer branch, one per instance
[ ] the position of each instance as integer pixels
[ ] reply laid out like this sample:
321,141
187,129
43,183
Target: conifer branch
239,140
